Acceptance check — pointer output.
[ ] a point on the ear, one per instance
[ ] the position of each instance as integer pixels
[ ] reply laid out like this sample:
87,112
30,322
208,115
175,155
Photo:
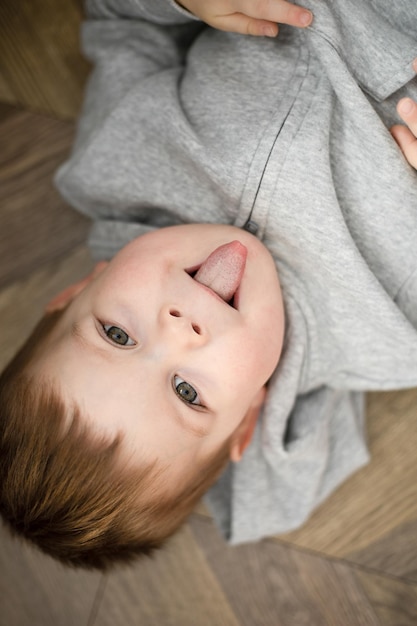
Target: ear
242,436
63,298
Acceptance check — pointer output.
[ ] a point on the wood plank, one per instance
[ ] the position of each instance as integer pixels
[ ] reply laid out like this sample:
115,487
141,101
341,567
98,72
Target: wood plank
41,62
37,226
395,552
274,585
36,590
174,588
22,303
381,497
394,601
6,93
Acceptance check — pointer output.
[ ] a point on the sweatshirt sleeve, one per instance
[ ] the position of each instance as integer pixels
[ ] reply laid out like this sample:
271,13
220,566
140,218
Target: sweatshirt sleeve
158,11
126,42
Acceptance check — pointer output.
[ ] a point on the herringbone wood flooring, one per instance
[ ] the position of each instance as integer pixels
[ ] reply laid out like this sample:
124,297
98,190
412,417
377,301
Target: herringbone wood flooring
353,564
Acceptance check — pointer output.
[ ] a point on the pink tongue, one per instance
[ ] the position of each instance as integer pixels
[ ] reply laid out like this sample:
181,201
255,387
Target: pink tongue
222,271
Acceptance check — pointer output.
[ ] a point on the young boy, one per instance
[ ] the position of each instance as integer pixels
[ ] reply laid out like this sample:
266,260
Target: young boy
148,375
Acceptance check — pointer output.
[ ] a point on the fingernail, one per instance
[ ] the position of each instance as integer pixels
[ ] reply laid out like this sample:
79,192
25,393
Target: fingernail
406,106
306,17
270,30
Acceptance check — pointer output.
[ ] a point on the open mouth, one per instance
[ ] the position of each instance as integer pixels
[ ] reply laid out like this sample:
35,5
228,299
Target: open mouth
222,271
233,301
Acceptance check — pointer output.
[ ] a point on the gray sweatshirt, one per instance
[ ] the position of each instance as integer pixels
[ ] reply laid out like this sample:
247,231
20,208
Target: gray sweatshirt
289,138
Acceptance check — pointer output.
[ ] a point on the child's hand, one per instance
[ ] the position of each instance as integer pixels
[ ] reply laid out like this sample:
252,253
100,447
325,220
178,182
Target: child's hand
407,137
248,17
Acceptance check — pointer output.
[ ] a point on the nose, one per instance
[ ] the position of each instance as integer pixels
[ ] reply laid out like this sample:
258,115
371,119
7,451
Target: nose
175,320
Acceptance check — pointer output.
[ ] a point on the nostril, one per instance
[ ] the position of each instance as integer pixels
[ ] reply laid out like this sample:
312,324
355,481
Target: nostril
175,313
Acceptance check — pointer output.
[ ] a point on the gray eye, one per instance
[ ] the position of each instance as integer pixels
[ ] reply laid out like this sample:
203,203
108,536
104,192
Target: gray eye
117,335
185,391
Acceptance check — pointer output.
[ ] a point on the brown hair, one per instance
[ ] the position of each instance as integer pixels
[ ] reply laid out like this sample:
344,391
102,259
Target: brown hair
68,493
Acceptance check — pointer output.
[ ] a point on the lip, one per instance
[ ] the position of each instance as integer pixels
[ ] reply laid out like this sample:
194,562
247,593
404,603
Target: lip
236,298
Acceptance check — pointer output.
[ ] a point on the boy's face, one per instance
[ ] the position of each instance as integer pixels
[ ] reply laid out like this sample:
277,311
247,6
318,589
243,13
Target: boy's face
147,350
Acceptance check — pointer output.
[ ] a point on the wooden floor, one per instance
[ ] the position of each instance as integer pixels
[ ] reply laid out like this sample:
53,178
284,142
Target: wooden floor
353,564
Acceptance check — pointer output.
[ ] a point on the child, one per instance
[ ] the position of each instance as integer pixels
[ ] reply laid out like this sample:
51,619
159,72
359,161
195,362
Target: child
149,375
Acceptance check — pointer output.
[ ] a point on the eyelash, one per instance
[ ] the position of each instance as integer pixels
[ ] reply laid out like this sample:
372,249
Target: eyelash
176,382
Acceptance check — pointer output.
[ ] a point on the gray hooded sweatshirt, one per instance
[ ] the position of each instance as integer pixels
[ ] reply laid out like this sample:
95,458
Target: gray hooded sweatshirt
289,138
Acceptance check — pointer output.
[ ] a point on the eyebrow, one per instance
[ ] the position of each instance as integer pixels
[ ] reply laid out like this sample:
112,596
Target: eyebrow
199,430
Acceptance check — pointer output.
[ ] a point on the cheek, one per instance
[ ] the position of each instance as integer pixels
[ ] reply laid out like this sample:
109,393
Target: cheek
245,365
258,355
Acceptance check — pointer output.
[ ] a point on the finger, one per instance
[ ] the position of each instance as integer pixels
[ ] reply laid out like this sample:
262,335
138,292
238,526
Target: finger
407,110
238,23
407,142
278,11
